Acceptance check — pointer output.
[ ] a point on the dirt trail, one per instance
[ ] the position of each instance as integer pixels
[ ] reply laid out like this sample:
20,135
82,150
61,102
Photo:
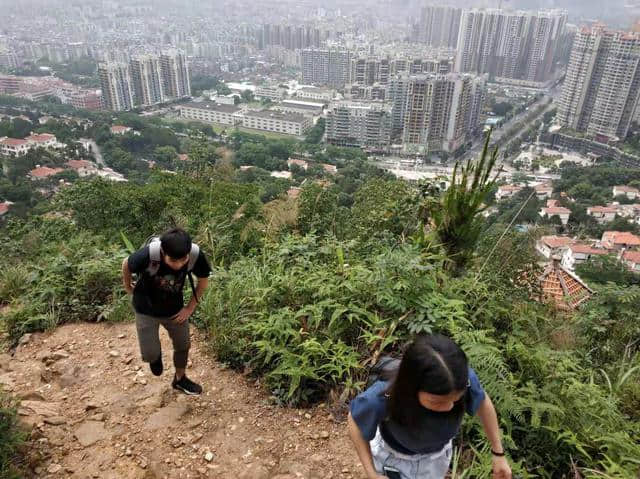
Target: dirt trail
98,412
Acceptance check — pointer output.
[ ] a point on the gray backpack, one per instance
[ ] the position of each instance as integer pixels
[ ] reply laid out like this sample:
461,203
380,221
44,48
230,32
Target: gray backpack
155,259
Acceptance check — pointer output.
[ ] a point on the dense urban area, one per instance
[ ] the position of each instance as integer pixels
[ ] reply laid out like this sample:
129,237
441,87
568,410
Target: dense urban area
357,173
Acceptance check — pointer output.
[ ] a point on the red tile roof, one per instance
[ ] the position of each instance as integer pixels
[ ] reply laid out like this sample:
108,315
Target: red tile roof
631,256
13,142
602,209
563,289
77,164
621,238
41,138
44,172
4,207
586,249
293,192
329,168
119,128
556,241
556,210
509,188
301,163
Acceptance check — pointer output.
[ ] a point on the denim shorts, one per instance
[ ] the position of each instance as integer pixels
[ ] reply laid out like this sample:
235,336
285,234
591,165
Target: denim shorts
416,466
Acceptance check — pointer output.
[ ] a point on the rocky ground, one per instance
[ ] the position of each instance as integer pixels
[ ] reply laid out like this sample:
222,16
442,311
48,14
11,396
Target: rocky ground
98,412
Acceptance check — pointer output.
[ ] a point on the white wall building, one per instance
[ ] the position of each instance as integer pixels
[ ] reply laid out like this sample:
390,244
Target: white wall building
269,120
209,112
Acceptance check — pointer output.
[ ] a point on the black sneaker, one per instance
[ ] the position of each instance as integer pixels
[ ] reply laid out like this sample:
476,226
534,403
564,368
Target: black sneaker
156,366
186,385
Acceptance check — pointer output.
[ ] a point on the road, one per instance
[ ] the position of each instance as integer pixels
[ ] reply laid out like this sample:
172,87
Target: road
496,135
96,151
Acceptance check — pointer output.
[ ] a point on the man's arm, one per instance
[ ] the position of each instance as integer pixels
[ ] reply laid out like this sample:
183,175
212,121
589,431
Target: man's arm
200,287
127,278
487,414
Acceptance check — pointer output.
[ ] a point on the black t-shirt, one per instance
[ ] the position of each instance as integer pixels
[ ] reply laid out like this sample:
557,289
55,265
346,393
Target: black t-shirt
161,295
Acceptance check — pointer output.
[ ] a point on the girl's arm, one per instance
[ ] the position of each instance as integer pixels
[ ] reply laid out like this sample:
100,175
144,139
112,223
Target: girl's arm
487,414
363,449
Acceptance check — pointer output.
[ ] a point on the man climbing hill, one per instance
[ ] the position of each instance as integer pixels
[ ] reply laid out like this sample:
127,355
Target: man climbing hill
163,264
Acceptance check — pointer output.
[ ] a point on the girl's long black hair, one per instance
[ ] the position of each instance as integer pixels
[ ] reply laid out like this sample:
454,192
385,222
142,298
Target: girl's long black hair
431,363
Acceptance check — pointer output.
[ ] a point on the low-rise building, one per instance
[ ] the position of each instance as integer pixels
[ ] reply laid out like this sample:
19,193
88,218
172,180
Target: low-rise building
632,260
332,169
269,120
19,147
631,212
602,214
82,167
549,246
271,92
14,146
281,174
300,107
576,254
507,191
301,163
120,129
543,192
210,112
618,240
42,172
294,192
316,93
4,208
559,211
628,191
43,140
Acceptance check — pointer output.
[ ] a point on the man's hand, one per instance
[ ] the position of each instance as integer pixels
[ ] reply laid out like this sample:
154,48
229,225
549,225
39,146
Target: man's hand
501,468
129,288
184,314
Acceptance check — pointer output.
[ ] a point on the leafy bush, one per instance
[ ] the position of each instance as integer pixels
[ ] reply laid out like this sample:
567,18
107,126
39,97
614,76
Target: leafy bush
11,439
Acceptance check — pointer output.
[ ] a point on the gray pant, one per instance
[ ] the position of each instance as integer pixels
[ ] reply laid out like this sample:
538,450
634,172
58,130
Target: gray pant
418,466
149,338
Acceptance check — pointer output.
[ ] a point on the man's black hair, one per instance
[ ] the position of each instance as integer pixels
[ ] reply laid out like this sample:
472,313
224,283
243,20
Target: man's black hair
176,243
433,364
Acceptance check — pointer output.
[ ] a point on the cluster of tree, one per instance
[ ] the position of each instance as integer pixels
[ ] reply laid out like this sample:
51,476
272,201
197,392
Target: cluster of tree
594,186
200,83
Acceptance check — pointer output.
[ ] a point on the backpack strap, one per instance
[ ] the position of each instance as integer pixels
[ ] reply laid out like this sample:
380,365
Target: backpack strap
193,257
155,257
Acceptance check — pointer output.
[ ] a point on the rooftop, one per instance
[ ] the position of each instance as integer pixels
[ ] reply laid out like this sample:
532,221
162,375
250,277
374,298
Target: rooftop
562,288
621,237
556,210
276,115
298,106
631,256
556,241
13,142
41,138
602,209
44,172
211,106
77,164
586,249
